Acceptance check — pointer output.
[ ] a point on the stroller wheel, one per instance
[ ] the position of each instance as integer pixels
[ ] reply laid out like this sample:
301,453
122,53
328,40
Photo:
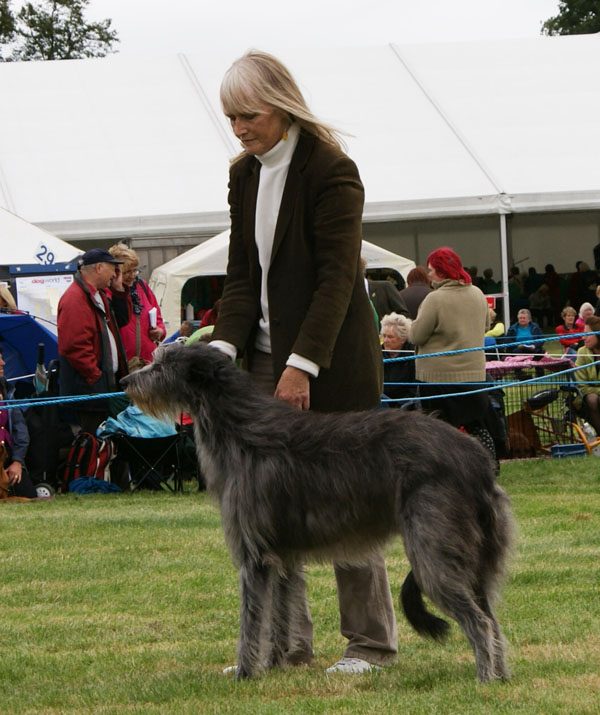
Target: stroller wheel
44,491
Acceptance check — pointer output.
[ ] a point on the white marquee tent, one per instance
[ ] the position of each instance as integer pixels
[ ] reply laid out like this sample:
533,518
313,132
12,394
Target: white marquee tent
24,243
137,147
210,259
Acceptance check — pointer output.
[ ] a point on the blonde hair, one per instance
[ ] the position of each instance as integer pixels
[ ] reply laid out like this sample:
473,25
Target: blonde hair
6,298
568,310
123,253
399,323
256,79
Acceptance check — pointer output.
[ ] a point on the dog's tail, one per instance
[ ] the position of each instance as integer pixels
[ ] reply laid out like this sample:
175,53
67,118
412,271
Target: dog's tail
425,623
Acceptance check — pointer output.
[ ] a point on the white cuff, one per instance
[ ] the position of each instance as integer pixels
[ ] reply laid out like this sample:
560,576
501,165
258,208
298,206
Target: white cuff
303,363
228,348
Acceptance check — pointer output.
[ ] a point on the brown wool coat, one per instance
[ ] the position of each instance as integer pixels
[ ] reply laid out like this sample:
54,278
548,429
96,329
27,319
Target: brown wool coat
318,304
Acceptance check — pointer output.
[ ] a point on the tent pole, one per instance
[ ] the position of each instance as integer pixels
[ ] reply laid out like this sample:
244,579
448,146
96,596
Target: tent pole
504,259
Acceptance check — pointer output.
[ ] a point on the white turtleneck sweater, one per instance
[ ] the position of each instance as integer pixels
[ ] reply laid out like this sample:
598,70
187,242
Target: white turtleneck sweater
273,174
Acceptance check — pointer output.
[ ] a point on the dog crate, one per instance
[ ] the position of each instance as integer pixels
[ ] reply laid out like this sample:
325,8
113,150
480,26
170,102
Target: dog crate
539,414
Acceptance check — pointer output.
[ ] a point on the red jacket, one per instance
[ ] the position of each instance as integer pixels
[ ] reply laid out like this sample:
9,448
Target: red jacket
80,341
128,331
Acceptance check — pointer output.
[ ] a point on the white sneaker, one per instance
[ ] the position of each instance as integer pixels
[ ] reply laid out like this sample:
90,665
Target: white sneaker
230,670
353,665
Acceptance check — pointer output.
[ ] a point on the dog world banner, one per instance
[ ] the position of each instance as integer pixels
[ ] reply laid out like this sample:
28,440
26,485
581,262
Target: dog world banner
39,296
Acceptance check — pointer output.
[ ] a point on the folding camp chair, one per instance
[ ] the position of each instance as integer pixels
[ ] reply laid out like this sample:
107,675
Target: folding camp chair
154,462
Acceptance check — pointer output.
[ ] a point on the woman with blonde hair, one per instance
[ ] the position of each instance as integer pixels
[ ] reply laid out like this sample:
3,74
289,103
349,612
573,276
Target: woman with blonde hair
294,305
6,299
144,328
566,328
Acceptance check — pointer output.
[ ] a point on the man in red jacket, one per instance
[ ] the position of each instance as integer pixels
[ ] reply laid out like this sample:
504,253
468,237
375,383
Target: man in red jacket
92,358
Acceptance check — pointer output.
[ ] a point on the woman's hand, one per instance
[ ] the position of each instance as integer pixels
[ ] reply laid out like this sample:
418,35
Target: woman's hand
156,334
14,472
294,388
117,281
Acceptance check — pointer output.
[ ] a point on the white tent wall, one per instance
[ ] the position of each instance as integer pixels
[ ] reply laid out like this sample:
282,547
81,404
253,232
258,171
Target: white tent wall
137,148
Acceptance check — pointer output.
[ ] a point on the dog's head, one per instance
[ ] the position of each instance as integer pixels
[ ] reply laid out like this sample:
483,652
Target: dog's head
177,378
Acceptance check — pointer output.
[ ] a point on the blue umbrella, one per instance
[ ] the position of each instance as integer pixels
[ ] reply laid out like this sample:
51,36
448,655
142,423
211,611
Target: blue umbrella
20,336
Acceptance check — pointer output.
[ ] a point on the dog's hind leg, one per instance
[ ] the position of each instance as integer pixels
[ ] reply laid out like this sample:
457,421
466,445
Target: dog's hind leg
256,581
501,670
477,627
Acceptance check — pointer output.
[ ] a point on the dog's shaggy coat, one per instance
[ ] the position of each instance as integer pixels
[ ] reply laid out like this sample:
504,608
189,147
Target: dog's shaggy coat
294,486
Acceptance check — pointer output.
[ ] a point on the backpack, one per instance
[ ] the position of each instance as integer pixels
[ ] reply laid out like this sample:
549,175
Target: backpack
88,456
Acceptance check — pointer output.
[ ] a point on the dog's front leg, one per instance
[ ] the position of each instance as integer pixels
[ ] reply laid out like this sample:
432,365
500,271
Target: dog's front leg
280,621
255,583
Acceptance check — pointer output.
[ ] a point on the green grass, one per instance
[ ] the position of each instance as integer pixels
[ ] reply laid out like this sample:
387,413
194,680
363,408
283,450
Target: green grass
128,603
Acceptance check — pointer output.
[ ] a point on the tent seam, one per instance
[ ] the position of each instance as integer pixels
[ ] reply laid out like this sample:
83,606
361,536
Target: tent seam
196,84
445,117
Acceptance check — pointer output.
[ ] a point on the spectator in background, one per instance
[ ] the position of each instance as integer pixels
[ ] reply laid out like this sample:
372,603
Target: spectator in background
597,303
552,280
588,376
394,338
211,315
585,310
496,326
144,328
14,434
418,287
453,317
540,305
533,281
7,302
489,284
515,291
386,298
527,333
566,328
583,284
476,280
91,354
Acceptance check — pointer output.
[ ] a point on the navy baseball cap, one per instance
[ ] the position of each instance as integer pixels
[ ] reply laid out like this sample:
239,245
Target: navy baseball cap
97,255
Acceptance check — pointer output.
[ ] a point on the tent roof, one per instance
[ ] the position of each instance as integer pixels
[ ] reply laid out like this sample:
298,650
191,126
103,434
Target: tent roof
210,259
138,146
24,243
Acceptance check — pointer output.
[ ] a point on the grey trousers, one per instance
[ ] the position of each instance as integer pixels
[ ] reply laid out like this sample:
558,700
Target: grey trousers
367,616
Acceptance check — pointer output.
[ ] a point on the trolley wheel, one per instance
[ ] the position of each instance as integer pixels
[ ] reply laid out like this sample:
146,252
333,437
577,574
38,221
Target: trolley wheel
44,491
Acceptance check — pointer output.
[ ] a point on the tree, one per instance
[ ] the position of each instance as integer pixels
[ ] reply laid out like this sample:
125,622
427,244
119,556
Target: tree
7,23
575,17
53,30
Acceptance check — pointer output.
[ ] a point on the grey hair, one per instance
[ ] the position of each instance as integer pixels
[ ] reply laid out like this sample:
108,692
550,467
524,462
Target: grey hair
526,311
397,322
256,79
585,306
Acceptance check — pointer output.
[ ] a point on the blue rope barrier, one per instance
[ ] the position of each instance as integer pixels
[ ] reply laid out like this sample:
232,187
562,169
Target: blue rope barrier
529,341
489,386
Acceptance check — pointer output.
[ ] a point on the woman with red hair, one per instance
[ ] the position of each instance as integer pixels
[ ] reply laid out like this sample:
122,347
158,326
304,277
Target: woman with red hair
454,316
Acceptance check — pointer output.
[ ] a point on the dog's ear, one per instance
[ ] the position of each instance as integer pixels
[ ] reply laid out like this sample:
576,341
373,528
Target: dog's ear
204,365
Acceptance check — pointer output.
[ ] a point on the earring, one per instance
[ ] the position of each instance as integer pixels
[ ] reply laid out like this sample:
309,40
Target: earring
284,136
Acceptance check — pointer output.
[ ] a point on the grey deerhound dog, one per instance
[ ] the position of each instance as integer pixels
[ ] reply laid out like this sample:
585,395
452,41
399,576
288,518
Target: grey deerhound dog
294,486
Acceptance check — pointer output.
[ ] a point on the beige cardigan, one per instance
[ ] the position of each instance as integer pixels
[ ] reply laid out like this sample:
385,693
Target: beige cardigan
453,317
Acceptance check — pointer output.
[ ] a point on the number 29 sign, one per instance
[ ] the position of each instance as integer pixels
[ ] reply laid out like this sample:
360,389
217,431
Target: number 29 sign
44,255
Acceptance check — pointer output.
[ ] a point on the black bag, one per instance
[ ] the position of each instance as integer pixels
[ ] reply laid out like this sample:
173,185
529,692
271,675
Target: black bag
89,456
